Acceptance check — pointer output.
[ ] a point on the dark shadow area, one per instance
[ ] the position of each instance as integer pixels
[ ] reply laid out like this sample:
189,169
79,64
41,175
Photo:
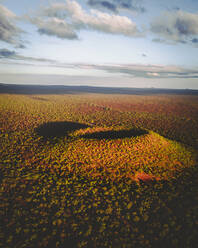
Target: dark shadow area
58,129
39,98
119,134
60,89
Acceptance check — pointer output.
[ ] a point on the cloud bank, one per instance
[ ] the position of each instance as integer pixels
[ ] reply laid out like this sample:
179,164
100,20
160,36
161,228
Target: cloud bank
128,70
148,71
12,55
117,5
176,27
9,32
5,53
64,20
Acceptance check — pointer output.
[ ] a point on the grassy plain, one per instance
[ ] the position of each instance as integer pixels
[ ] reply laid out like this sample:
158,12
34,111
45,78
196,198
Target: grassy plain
98,170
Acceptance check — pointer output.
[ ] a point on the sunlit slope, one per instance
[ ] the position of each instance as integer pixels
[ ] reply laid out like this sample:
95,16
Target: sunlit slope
91,150
118,153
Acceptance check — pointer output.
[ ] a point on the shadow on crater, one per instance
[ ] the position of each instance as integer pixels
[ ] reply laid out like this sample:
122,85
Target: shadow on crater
39,98
58,129
119,134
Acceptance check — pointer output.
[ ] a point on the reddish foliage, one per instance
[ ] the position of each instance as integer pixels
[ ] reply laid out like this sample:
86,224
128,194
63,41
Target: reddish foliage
142,176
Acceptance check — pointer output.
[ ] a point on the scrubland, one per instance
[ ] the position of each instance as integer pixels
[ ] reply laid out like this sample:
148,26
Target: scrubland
98,170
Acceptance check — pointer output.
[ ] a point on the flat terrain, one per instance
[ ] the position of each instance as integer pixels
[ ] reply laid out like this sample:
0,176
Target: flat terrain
98,167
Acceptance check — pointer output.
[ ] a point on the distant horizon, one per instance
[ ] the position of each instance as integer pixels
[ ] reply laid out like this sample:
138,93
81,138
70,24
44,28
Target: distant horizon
93,88
62,80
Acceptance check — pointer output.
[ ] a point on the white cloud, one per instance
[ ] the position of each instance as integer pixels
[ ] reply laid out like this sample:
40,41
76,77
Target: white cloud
54,27
65,19
154,74
176,27
9,32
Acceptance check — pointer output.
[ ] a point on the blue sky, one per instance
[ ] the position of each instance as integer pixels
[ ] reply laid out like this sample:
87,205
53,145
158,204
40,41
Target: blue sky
120,43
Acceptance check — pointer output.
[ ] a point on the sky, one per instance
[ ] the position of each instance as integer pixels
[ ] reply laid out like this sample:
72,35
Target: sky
114,43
